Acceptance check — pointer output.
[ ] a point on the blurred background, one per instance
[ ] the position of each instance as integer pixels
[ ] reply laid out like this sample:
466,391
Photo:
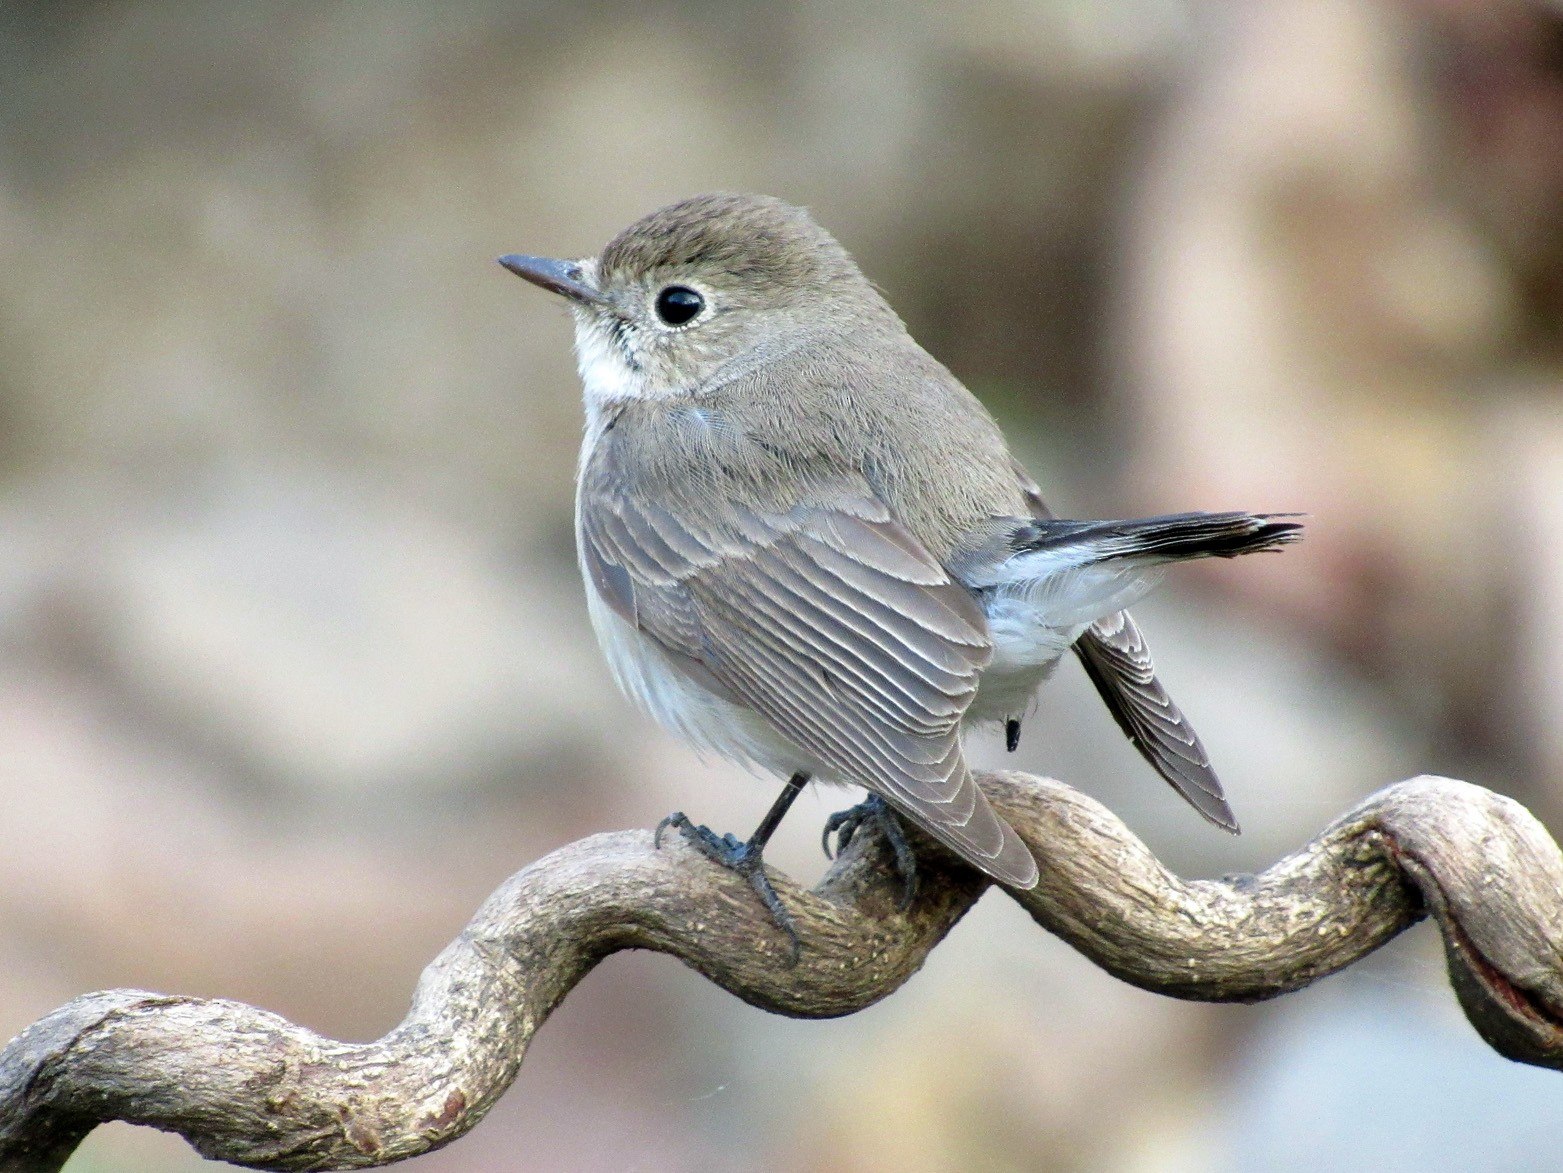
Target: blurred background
295,663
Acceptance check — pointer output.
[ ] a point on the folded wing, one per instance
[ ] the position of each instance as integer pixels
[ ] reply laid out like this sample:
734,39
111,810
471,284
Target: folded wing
833,624
1116,659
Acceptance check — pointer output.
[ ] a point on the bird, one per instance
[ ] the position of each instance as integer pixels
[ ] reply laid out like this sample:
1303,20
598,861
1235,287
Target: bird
807,547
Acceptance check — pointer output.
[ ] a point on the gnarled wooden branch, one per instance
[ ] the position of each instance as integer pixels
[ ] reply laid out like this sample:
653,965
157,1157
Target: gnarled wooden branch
246,1086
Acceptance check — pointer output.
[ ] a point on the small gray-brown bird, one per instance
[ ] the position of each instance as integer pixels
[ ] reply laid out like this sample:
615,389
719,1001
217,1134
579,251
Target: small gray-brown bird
807,548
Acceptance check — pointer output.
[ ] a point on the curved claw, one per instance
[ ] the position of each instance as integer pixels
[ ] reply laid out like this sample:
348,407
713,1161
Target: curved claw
677,819
843,825
846,824
739,856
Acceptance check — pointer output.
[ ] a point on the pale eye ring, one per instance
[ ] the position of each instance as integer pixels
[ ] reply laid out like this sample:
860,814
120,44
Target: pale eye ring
677,305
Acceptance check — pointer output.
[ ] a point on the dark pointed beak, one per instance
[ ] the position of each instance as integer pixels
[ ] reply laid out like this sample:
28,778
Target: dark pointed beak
561,277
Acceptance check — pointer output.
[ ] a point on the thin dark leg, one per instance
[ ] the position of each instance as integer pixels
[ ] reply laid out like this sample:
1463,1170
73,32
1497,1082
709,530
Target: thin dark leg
779,808
744,856
875,810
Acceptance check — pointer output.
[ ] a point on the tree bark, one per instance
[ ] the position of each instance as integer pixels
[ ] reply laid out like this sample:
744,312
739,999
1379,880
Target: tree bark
248,1087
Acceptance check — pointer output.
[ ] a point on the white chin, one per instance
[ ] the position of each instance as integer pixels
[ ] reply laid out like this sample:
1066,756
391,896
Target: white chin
605,375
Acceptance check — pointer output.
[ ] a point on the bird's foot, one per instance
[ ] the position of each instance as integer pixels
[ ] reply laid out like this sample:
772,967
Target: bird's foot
844,825
739,856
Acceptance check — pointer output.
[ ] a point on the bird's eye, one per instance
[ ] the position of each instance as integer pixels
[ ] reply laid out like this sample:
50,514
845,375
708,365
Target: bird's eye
678,304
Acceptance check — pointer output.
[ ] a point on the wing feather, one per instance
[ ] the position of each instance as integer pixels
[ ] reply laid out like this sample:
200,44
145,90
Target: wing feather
896,698
833,624
1116,659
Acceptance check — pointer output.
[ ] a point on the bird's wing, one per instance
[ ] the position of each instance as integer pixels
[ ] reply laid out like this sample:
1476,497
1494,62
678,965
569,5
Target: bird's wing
1115,657
833,624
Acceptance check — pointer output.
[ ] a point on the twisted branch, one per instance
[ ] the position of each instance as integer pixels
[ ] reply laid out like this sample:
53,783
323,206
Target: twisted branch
248,1087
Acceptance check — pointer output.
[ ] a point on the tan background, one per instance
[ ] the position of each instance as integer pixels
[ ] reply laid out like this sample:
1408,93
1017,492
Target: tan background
295,667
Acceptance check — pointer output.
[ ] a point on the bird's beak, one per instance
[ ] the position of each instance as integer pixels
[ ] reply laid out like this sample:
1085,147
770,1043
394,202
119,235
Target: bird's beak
561,277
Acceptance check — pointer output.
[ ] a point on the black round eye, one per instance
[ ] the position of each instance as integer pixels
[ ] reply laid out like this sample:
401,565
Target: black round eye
678,304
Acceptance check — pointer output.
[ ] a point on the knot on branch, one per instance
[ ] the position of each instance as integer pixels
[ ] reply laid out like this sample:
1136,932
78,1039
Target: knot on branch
249,1087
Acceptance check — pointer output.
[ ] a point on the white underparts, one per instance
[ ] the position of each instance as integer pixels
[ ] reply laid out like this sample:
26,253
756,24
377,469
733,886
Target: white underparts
1037,606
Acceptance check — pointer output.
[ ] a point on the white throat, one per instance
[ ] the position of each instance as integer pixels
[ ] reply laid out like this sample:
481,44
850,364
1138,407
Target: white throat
606,376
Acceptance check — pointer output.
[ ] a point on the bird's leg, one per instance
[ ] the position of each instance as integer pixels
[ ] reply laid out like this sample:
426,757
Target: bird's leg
744,857
873,809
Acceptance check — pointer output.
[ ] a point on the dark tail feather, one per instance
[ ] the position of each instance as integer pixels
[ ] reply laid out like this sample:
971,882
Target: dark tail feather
1172,537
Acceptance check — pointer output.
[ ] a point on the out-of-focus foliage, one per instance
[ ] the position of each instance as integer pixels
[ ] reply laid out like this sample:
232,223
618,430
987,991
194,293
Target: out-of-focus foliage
295,666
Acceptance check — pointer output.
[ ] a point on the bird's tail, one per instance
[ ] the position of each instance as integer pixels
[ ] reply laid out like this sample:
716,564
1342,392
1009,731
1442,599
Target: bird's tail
1173,537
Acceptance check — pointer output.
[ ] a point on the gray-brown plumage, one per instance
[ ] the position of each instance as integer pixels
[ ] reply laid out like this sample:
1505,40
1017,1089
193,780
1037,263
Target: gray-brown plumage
807,546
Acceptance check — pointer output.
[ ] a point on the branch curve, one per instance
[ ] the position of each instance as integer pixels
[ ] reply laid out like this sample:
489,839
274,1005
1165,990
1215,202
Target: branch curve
248,1087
